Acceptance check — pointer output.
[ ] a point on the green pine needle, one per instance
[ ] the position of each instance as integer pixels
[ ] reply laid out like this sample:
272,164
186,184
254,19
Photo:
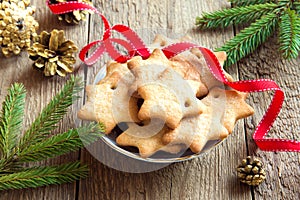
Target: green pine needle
61,143
296,7
11,119
52,113
239,15
249,38
249,2
42,176
289,34
268,15
39,143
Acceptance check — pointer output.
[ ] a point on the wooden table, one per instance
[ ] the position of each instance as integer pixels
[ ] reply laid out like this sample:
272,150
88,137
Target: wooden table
211,176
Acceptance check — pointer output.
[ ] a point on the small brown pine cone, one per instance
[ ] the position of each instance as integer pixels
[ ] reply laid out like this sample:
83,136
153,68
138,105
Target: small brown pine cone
73,17
251,172
17,26
53,54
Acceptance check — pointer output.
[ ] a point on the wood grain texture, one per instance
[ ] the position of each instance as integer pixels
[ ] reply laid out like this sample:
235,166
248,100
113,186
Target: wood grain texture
212,176
39,92
283,178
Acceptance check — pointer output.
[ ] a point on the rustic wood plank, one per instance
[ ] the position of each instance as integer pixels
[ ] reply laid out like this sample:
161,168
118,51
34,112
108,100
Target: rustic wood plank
283,172
39,92
211,176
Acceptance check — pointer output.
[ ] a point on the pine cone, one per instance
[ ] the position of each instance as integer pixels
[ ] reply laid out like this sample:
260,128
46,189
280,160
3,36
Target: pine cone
17,26
73,17
251,172
53,54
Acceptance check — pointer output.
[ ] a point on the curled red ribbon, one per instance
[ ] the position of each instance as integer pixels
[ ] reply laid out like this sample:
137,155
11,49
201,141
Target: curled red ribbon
135,46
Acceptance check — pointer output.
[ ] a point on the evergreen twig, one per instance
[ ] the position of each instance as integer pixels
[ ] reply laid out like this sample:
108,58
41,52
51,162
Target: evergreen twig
296,7
289,34
249,38
11,119
268,15
42,176
239,15
52,113
61,143
249,2
37,144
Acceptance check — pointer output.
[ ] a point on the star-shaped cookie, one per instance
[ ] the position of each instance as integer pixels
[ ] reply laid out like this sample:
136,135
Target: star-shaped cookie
113,66
166,94
148,138
236,108
109,102
224,108
192,64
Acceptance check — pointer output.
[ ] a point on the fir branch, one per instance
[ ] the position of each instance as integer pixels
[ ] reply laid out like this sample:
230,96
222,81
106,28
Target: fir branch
267,19
62,143
239,15
249,38
249,2
289,34
296,7
11,119
52,113
42,176
286,3
37,144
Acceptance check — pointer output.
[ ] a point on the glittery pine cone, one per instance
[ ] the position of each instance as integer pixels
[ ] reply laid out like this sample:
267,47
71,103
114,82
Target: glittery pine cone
73,17
17,26
251,172
53,54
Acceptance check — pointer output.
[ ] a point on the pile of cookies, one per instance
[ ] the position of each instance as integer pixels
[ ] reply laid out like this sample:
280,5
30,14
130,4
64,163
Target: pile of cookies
167,104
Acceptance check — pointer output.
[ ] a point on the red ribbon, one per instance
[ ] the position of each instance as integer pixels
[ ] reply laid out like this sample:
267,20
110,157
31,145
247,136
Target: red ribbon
135,46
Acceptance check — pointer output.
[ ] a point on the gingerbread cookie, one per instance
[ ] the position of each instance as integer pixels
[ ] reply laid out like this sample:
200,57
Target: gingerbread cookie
192,63
109,102
173,116
147,138
113,66
174,97
236,108
224,108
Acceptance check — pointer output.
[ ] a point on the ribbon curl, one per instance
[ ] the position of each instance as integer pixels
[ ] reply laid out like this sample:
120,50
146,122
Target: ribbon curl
135,46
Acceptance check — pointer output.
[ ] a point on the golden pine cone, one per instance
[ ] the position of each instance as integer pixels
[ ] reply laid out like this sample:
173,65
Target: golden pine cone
251,172
73,17
17,26
53,54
